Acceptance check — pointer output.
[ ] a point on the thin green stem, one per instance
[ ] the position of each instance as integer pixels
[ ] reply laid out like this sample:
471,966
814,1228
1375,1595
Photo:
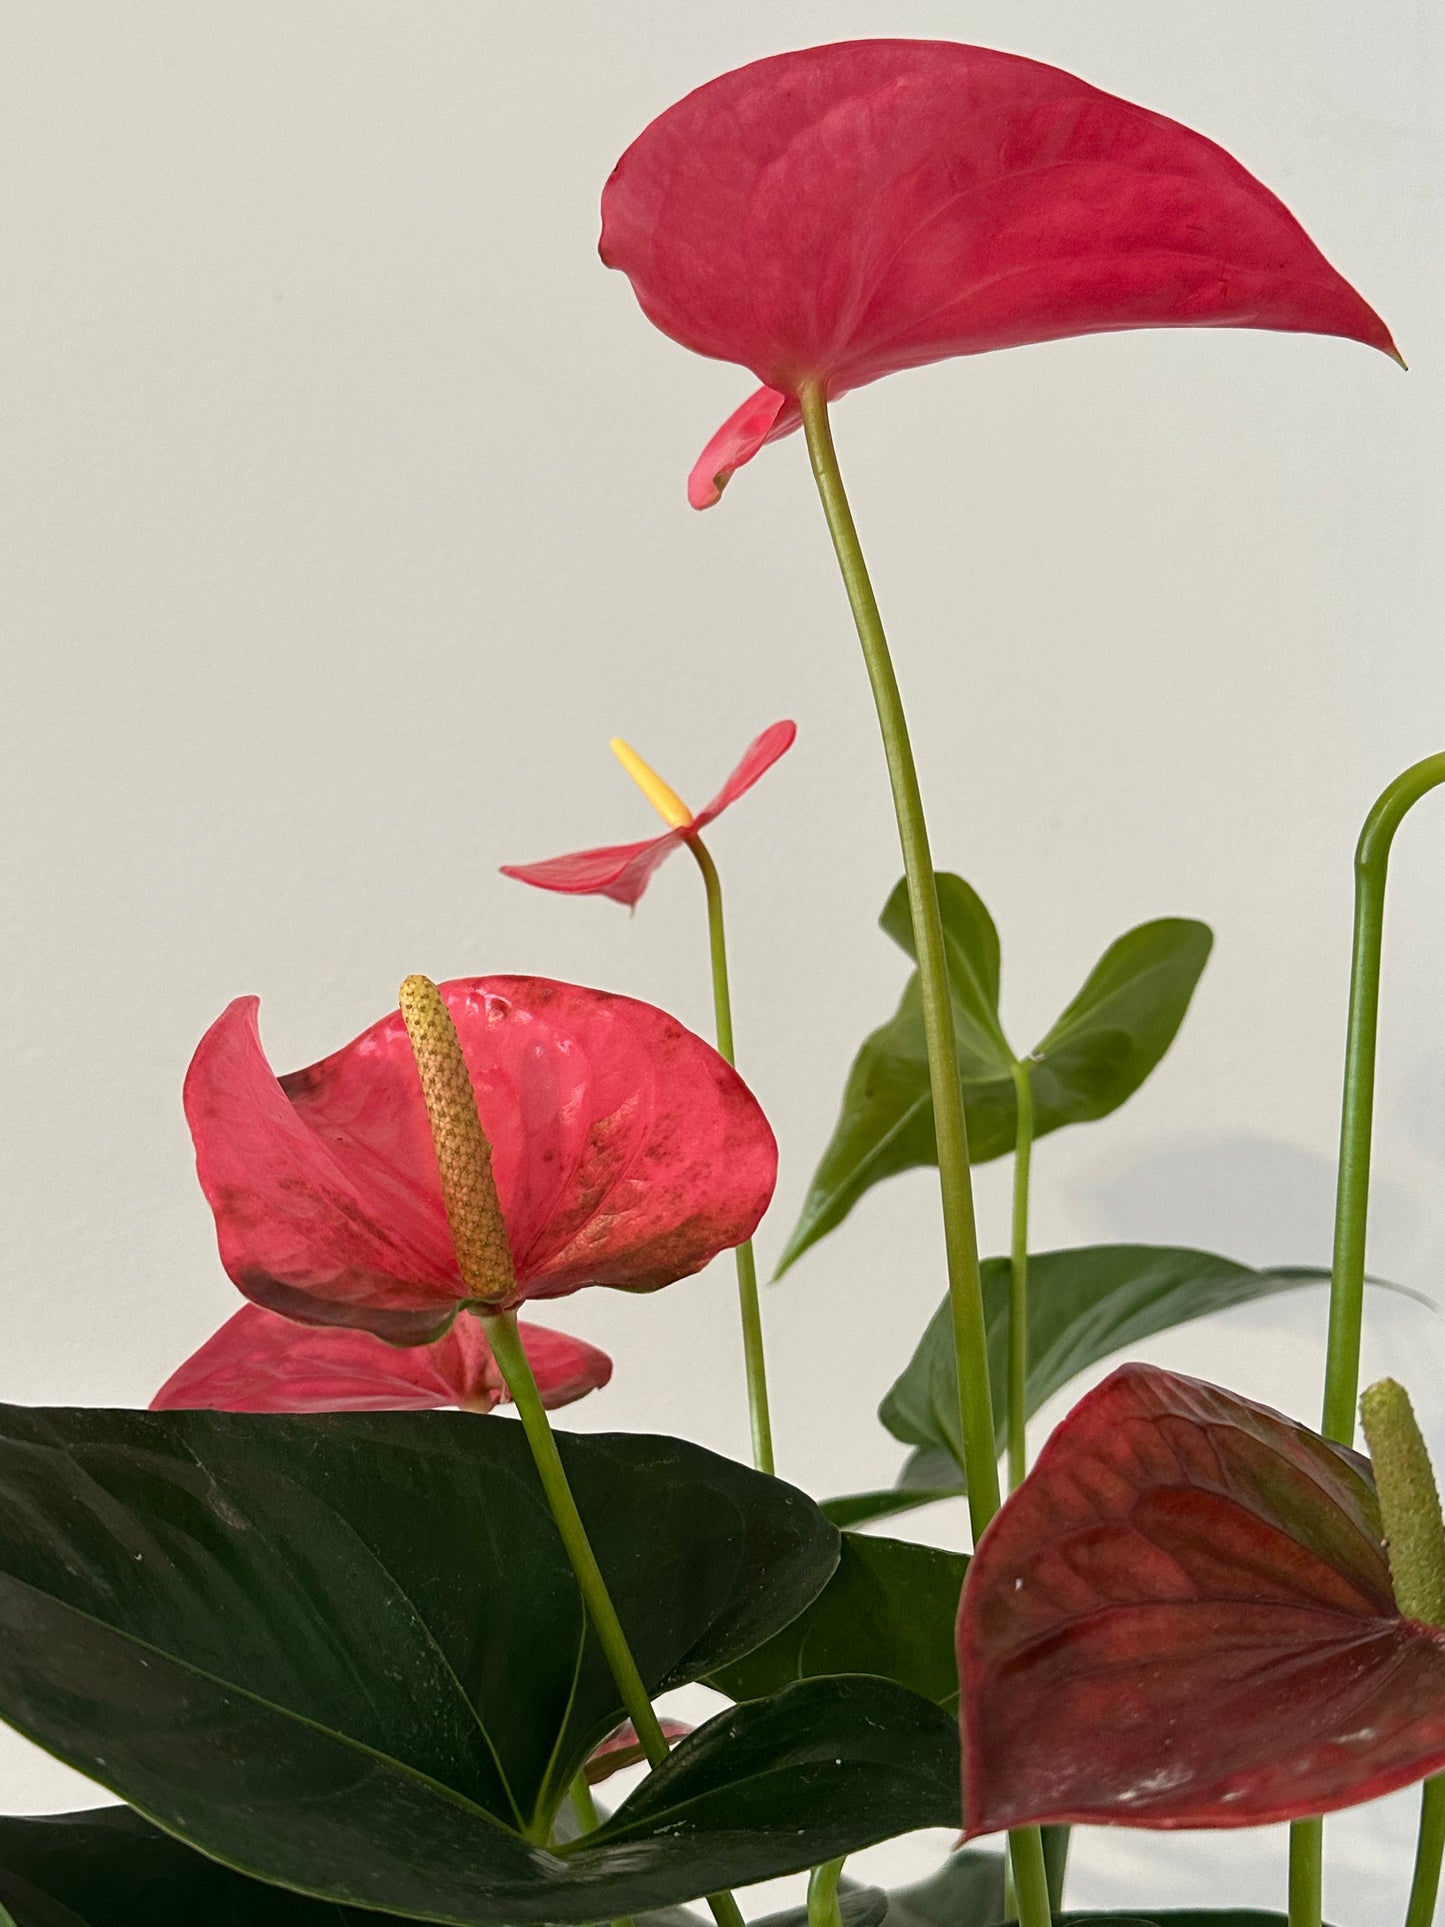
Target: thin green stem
585,1807
823,1908
960,1232
747,1270
506,1344
1030,1876
1352,1198
950,1128
1429,1849
1018,1291
1347,1283
1306,1873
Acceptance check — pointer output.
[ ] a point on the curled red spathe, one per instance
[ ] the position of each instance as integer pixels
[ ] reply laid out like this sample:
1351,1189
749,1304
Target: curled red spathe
623,871
626,1153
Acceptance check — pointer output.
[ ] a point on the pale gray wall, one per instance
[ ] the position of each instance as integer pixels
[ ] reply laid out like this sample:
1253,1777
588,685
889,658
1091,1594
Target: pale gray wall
346,522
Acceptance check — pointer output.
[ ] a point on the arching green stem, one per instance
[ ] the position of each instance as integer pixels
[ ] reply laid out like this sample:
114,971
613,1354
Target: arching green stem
1429,1848
1347,1277
960,1232
501,1330
1018,1292
747,1270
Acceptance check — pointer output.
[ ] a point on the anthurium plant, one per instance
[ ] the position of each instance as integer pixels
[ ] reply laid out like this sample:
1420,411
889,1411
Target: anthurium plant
348,1644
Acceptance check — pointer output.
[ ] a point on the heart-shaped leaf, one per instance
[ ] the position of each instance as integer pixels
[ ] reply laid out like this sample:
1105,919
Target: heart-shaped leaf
347,1653
1098,1053
809,1761
889,1609
1184,1618
1084,1303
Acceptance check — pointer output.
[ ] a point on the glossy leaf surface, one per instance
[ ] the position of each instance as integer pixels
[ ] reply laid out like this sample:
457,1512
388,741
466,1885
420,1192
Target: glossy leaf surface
1183,1618
1084,1303
967,1891
348,1652
835,214
111,1868
625,1151
889,1608
1096,1056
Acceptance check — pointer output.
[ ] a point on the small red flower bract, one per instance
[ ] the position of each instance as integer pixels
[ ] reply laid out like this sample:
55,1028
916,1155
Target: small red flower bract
1184,1618
625,1151
623,871
261,1362
622,1748
835,214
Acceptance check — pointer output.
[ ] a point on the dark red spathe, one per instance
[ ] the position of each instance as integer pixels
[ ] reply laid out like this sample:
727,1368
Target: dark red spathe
839,213
1184,1618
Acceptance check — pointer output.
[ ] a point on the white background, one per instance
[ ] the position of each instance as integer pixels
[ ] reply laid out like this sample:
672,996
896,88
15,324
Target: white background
346,522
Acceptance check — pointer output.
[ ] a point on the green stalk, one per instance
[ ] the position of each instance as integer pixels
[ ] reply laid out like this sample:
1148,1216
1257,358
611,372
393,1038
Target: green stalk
823,1908
747,1270
1429,1848
1352,1195
585,1807
959,1229
1018,1290
506,1344
960,1232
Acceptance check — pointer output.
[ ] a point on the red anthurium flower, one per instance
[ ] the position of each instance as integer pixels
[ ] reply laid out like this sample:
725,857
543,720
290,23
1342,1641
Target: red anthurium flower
835,214
623,871
625,1152
1184,1618
261,1362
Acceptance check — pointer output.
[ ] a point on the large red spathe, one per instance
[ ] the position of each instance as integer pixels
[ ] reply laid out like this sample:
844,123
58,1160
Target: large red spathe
839,213
626,1153
261,1362
1184,1618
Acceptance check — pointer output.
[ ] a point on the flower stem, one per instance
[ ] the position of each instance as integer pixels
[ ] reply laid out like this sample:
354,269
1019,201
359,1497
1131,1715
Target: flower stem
747,1270
823,1908
1352,1196
950,1128
965,1290
1429,1849
506,1344
1018,1294
1347,1283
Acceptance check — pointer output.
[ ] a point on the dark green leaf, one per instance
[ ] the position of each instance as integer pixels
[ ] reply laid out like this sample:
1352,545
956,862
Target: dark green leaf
1084,1304
799,1769
889,1609
110,1868
926,1476
971,945
1174,1917
346,1654
1098,1053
